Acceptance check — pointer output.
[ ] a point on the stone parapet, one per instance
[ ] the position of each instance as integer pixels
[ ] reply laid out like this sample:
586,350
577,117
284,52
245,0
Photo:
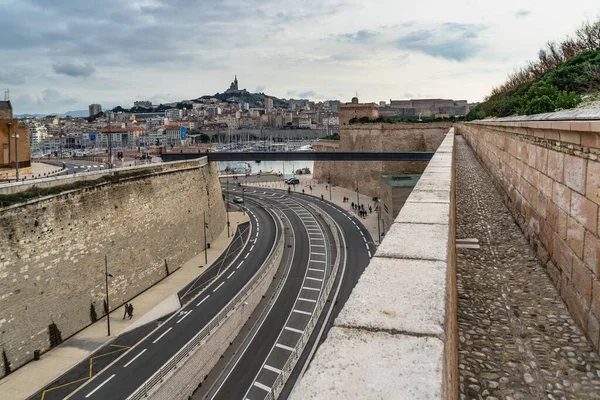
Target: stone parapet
549,175
396,336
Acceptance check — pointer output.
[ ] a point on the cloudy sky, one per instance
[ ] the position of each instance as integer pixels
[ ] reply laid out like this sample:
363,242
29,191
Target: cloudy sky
61,55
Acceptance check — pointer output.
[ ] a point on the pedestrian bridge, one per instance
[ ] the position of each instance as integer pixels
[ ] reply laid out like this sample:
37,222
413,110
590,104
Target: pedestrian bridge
302,155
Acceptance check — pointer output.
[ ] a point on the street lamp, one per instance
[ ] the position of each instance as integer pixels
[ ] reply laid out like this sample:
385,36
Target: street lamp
378,218
329,182
357,200
16,137
106,275
205,246
227,205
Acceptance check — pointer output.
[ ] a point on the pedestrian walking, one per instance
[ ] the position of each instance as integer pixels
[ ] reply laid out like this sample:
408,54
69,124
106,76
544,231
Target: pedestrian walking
125,311
352,205
370,210
130,310
321,196
302,191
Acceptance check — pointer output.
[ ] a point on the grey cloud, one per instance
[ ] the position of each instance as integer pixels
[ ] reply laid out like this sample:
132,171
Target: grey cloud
11,78
522,13
308,94
260,89
453,41
74,69
361,36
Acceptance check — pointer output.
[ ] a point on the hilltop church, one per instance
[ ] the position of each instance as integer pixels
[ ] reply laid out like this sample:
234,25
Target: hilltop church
234,89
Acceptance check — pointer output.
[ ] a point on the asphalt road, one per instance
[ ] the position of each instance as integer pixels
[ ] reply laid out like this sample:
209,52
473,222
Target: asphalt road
130,371
77,167
260,365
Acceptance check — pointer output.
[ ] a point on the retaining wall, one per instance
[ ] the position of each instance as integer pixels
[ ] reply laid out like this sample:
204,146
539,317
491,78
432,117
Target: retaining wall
549,175
396,337
52,249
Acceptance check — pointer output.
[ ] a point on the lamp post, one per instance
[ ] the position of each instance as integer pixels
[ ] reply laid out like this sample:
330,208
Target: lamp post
16,136
378,218
243,201
227,205
106,275
205,246
329,183
357,199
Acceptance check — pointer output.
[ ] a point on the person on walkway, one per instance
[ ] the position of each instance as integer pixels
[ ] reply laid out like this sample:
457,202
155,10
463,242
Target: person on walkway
125,310
130,310
352,205
321,196
370,209
302,191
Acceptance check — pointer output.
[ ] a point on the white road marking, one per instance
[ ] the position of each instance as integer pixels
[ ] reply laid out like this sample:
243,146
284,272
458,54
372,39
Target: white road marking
231,274
310,288
314,279
282,346
251,248
287,328
263,387
160,337
369,253
309,300
99,386
217,288
318,261
134,358
317,245
367,245
316,269
277,371
203,300
317,254
188,313
301,312
239,265
246,256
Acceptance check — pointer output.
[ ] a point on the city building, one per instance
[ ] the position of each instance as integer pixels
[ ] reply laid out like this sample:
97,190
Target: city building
6,110
268,104
13,149
94,109
37,133
425,108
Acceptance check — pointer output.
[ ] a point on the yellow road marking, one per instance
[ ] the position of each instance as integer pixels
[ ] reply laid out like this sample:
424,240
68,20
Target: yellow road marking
90,369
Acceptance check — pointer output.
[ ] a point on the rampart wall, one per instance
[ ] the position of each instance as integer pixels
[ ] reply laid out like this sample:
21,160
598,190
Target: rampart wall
549,175
52,249
378,137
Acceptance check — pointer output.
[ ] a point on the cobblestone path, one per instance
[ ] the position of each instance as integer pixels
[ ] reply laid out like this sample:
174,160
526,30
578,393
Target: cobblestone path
517,338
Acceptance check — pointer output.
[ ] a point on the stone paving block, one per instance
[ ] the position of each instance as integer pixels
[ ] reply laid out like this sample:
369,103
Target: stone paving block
424,213
429,196
397,294
358,364
415,241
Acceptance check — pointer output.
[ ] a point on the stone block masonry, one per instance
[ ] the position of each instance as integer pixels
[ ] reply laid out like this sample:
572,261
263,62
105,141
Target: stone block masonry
549,175
52,249
377,137
396,337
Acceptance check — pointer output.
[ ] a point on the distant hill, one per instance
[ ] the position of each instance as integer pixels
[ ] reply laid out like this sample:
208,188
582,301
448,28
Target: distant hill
253,99
74,114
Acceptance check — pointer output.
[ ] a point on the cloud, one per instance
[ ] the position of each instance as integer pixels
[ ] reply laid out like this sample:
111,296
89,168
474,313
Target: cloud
451,41
522,13
75,70
362,36
11,78
260,89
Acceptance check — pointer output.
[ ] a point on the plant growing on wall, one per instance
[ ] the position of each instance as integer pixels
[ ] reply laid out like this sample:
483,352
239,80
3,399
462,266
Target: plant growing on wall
93,315
7,369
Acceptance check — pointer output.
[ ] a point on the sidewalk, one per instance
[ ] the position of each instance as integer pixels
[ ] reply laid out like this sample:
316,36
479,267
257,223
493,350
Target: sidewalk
159,300
337,196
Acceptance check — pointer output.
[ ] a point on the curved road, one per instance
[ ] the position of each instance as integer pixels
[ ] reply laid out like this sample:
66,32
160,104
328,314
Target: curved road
130,371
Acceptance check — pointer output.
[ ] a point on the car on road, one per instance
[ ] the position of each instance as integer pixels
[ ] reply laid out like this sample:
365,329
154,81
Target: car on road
292,181
238,200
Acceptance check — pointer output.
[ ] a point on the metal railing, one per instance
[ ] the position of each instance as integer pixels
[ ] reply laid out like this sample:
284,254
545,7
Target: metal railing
200,338
91,173
287,369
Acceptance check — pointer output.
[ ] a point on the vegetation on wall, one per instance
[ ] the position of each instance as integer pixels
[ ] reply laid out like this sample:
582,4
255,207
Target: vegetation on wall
564,73
333,136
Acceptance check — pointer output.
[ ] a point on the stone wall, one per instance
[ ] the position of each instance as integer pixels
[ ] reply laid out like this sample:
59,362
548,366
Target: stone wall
52,250
378,137
396,336
549,175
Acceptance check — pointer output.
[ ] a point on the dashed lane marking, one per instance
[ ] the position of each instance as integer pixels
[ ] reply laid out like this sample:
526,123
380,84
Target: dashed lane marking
310,288
231,274
263,387
238,267
314,279
282,346
134,358
287,328
251,248
100,385
217,288
160,337
268,367
203,300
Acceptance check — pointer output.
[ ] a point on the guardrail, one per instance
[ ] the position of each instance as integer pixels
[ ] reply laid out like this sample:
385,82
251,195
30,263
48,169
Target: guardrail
201,337
287,369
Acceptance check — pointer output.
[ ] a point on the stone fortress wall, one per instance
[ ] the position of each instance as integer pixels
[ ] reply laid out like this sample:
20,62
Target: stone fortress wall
377,137
52,250
549,175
